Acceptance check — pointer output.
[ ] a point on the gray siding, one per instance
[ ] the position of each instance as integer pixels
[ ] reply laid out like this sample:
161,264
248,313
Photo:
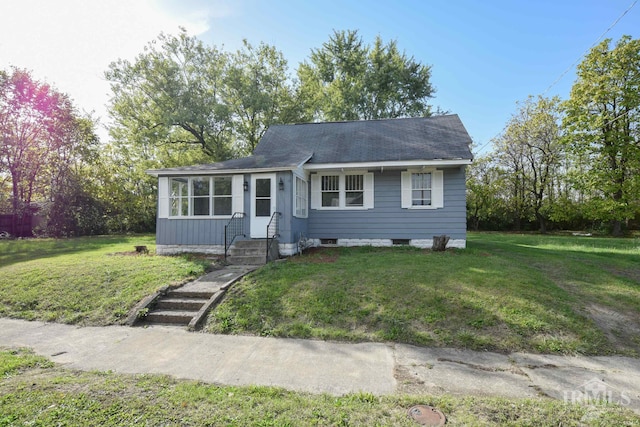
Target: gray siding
389,221
190,231
386,221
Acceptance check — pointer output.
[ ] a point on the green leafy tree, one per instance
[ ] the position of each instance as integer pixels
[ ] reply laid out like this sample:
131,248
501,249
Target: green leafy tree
173,94
531,151
258,93
602,118
73,208
486,199
44,143
348,80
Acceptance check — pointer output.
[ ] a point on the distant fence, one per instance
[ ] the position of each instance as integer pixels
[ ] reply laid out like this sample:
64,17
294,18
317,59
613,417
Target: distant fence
17,226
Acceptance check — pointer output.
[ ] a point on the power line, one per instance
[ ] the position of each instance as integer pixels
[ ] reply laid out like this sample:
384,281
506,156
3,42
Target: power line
571,67
592,46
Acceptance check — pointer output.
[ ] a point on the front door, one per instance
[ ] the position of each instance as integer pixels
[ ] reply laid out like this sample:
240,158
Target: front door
263,203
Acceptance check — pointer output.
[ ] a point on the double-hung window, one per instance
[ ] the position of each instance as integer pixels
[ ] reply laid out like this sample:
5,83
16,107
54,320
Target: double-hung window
422,189
221,195
354,190
344,190
331,191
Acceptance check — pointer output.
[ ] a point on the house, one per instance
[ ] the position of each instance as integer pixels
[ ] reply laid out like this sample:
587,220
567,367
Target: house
379,182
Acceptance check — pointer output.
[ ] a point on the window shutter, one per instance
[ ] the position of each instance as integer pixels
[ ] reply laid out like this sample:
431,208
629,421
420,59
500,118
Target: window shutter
163,197
406,189
316,196
368,195
437,189
237,194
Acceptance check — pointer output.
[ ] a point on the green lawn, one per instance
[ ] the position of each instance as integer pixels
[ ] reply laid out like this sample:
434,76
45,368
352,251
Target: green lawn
505,292
548,294
88,281
35,392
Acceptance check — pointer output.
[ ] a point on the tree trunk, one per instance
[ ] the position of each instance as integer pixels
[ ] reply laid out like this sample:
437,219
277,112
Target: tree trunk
616,228
440,243
542,222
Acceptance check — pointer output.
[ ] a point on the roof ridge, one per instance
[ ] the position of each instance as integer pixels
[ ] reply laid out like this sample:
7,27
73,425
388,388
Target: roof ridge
366,120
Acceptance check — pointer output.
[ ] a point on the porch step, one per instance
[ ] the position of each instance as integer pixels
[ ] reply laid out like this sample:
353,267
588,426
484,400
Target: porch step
248,251
251,252
247,260
172,317
251,244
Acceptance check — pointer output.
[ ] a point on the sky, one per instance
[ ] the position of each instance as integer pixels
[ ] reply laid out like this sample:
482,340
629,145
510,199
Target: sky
485,55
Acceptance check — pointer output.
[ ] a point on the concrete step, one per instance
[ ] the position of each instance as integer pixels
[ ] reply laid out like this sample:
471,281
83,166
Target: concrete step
247,260
186,294
170,317
180,304
248,251
253,243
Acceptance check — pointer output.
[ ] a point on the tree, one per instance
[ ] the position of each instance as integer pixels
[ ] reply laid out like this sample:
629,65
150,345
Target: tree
179,91
348,80
258,93
43,139
531,150
602,117
172,94
486,201
73,208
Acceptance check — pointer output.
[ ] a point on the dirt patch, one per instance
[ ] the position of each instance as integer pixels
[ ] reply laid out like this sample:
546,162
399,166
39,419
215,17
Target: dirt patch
622,329
132,253
626,273
410,382
317,256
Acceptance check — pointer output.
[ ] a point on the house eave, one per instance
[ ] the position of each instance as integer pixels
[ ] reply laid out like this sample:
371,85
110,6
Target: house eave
388,164
157,173
227,171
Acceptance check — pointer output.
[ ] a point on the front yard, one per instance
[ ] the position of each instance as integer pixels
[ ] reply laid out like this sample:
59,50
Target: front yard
505,292
547,294
86,281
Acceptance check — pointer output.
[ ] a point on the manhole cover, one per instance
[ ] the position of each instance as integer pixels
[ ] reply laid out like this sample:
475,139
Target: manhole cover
427,416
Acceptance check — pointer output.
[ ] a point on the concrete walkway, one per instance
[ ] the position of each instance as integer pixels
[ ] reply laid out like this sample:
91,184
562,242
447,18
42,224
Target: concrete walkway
326,367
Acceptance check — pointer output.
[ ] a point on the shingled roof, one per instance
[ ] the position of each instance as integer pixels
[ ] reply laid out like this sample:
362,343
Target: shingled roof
423,138
388,140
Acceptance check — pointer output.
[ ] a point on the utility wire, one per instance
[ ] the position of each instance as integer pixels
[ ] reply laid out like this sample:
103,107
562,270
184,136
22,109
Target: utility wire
571,67
592,46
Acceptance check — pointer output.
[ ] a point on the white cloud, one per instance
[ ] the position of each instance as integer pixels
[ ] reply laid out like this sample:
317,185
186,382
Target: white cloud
70,43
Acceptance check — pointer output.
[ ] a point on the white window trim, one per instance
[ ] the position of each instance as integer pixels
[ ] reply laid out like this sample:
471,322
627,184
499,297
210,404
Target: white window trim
164,197
305,183
437,189
368,191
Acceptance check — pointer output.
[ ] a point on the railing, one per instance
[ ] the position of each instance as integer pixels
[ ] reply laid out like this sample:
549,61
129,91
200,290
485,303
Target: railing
273,231
233,229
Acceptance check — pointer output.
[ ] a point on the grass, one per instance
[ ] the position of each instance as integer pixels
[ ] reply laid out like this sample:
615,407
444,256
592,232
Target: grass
86,281
35,392
547,294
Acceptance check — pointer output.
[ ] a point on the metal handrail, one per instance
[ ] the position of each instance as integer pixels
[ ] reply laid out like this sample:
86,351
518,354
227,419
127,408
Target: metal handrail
273,231
233,229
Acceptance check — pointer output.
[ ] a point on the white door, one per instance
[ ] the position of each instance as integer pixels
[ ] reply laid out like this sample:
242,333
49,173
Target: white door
263,203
